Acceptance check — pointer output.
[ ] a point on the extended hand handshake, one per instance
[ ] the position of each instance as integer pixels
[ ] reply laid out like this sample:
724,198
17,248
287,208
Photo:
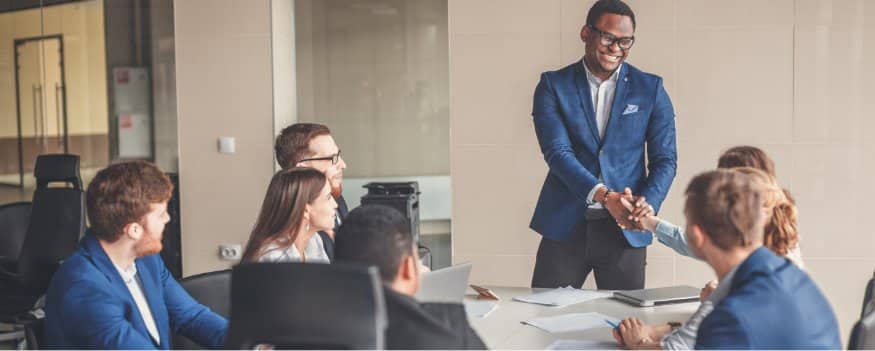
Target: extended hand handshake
630,211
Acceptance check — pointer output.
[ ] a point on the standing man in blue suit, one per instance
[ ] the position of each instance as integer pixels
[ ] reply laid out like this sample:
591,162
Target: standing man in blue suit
114,291
594,120
769,303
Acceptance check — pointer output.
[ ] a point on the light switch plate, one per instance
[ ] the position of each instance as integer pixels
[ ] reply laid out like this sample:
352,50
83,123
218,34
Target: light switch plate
227,145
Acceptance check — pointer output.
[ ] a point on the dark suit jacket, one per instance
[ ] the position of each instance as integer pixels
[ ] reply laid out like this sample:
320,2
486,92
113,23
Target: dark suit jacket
642,118
327,242
416,326
88,306
772,304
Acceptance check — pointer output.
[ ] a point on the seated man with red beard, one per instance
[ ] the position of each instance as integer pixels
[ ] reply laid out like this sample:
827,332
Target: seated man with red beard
114,292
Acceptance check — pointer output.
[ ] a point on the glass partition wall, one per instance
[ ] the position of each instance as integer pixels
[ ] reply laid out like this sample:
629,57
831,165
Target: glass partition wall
377,73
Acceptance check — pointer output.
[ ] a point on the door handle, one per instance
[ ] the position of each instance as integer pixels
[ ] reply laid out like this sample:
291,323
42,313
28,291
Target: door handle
58,91
42,112
33,91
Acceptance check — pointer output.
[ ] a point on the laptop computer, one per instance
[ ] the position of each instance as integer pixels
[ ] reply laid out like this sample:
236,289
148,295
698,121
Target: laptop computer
658,296
445,285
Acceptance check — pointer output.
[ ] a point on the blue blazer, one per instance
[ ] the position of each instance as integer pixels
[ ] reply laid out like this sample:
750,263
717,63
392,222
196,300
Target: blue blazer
89,306
772,304
641,115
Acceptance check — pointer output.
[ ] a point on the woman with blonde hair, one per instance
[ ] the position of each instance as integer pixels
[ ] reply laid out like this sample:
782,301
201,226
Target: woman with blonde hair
781,234
298,204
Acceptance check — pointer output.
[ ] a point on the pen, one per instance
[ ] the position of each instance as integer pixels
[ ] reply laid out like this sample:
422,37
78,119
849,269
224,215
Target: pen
612,324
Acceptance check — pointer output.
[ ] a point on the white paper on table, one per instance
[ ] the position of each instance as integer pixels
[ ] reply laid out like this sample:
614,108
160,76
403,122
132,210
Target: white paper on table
572,322
562,296
480,308
583,345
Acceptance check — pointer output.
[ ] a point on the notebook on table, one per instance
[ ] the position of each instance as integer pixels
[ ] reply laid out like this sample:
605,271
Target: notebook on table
658,296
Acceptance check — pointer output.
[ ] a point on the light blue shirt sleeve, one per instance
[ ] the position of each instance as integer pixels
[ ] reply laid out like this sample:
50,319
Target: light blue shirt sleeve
672,236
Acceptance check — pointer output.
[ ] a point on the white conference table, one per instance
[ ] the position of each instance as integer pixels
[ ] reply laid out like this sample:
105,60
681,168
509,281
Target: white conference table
502,329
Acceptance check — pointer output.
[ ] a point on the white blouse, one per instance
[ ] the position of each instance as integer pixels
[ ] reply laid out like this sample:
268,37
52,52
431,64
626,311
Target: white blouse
314,252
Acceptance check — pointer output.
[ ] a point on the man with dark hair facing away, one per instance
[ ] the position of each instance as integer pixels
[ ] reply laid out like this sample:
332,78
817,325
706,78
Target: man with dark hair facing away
376,235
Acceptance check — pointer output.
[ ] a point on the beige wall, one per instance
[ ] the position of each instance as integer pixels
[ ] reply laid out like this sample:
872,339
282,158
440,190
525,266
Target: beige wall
81,25
788,76
223,80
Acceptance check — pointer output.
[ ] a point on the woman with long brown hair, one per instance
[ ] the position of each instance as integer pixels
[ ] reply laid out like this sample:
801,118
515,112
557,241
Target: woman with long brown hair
298,204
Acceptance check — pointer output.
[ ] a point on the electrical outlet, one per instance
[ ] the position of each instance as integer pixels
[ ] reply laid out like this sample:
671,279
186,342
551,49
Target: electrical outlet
230,252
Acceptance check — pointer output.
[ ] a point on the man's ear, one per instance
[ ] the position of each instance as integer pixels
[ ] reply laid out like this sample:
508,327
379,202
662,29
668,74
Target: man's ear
133,230
408,270
584,33
696,236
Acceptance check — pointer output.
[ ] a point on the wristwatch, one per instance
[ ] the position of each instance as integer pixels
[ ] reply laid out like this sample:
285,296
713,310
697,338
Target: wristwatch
605,198
674,325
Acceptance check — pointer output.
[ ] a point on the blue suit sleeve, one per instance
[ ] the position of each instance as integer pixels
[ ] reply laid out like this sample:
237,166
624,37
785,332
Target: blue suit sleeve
190,318
661,149
90,322
722,330
555,143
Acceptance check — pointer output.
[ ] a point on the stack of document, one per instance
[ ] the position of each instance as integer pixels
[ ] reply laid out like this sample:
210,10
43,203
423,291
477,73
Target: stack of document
562,296
572,322
479,308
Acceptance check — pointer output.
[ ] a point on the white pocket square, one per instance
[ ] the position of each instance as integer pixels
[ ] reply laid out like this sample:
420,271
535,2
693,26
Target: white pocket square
630,109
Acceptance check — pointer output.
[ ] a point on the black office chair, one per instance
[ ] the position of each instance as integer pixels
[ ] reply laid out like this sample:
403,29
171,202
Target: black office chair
212,289
13,228
867,296
57,220
306,306
863,334
33,333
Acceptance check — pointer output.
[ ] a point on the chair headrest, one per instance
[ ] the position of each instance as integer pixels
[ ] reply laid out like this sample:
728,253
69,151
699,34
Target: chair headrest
289,303
57,168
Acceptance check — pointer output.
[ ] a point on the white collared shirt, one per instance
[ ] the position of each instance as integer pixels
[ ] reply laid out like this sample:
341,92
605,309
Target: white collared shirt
132,281
602,94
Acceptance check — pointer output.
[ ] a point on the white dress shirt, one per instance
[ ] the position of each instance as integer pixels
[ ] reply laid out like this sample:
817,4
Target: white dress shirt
132,281
602,94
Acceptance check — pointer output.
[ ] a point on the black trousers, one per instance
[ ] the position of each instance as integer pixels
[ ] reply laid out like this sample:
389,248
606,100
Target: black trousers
597,245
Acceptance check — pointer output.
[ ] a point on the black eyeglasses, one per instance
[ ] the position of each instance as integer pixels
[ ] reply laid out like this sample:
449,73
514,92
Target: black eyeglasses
333,158
608,39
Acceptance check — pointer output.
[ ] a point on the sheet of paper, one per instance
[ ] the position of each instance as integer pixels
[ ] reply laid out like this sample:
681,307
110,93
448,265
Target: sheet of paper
480,308
562,296
572,322
583,345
